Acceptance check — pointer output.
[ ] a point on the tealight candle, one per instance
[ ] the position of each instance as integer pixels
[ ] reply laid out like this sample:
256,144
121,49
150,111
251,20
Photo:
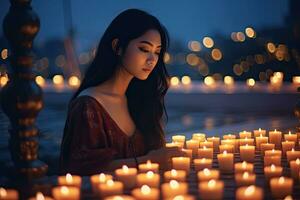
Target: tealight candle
266,146
175,144
292,155
245,179
110,188
233,142
70,180
229,136
99,178
8,194
188,152
181,163
259,132
208,174
205,152
66,193
149,178
212,189
182,197
245,134
127,176
273,152
193,145
198,136
272,171
202,163
145,193
287,146
295,169
291,137
275,160
173,188
225,161
207,144
249,141
119,197
215,141
178,175
249,193
39,196
149,166
260,140
247,153
178,138
281,187
226,147
243,167
275,138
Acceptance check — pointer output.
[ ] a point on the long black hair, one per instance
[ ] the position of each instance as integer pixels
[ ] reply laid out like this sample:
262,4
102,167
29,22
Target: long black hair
145,97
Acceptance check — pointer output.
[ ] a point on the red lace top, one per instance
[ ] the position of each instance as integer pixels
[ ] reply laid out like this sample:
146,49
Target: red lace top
92,139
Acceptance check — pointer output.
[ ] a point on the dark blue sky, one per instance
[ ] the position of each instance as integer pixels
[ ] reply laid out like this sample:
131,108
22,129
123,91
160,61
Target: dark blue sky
184,19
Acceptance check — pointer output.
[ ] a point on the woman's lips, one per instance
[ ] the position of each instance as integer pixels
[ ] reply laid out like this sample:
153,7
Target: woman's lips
146,69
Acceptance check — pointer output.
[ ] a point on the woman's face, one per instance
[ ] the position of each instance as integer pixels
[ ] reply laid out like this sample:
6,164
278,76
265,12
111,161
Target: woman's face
142,54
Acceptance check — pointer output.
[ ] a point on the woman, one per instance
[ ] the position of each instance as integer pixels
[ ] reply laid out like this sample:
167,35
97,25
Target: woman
115,117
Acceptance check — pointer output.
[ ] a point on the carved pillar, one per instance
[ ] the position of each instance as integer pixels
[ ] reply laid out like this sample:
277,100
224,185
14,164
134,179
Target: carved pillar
21,98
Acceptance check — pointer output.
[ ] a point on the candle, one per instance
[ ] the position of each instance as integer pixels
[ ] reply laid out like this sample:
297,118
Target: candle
226,147
247,153
212,189
182,197
8,194
178,175
202,163
260,140
175,144
229,136
207,144
245,179
291,137
149,178
266,146
292,155
281,187
110,188
287,146
272,171
259,132
275,160
174,188
198,136
145,193
295,169
188,152
127,176
225,161
275,138
193,145
119,197
39,196
249,193
149,166
233,142
181,163
245,134
66,193
243,167
99,178
205,152
69,180
215,141
249,141
208,174
178,138
273,152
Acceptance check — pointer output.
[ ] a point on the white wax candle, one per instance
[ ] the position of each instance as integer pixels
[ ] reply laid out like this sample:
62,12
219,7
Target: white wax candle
110,188
292,155
178,138
174,188
249,193
181,163
275,160
212,189
275,138
266,146
120,197
245,179
149,178
145,193
208,174
8,194
193,145
66,193
202,163
229,136
281,187
229,148
99,178
272,171
39,196
260,140
149,166
207,144
259,132
245,134
225,161
215,141
127,176
291,137
69,180
247,153
245,141
205,152
295,169
287,146
243,167
199,136
178,175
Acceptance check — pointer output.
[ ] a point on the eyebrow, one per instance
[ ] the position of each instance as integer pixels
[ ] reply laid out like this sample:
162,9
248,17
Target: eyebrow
149,43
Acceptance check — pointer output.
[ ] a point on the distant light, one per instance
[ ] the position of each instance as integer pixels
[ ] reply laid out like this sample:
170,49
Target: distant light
237,69
192,59
271,47
234,37
208,42
250,32
259,59
167,58
296,79
4,54
278,75
186,80
209,81
228,80
250,82
194,46
217,76
216,54
174,81
58,79
40,80
74,81
60,61
262,76
84,58
3,80
240,36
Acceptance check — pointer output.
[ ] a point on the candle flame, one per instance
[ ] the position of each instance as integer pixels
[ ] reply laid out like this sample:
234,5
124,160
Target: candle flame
289,197
125,168
150,174
273,167
69,178
174,172
204,147
203,160
174,184
246,145
290,133
298,161
249,190
273,150
225,152
118,198
178,197
64,190
211,183
275,130
293,149
149,164
260,135
110,183
3,192
244,164
40,196
259,129
281,180
245,175
102,178
145,189
206,172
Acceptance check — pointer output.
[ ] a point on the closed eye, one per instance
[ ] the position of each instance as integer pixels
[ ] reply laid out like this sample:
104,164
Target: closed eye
146,51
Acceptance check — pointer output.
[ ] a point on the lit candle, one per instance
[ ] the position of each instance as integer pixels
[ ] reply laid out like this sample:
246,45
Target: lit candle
233,142
178,138
174,188
275,160
281,187
226,147
119,197
249,141
70,180
245,179
260,140
225,161
292,155
145,193
247,153
127,176
208,174
291,137
259,132
212,189
178,175
243,167
245,134
272,171
295,169
229,136
207,144
273,152
182,197
205,152
215,141
202,163
193,145
175,144
287,146
198,136
266,146
39,196
149,166
66,193
188,152
8,194
110,188
99,178
249,193
181,163
275,138
149,178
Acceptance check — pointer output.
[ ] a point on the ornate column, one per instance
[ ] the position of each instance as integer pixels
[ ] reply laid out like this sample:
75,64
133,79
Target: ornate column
21,98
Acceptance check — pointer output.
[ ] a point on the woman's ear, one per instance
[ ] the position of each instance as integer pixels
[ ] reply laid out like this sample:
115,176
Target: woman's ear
115,46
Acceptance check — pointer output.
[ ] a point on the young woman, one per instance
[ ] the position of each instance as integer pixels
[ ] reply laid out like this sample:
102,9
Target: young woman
115,117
